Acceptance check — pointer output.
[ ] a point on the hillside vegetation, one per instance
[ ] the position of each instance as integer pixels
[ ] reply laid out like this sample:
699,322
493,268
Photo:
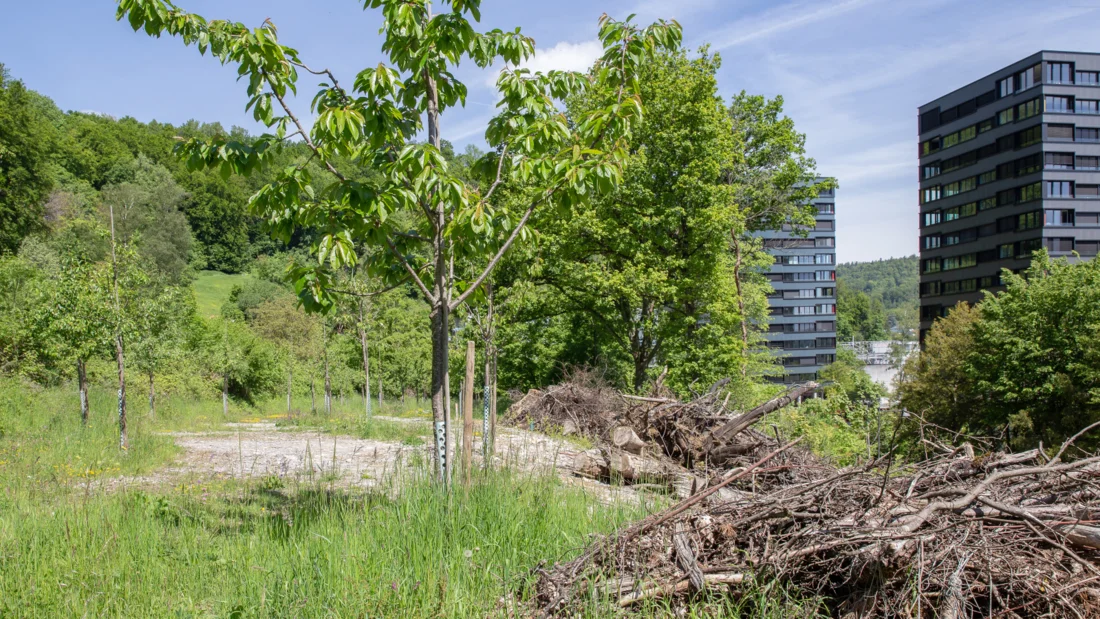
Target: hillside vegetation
878,299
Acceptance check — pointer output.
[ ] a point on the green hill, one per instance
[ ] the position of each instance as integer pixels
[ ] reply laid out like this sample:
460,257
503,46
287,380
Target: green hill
893,282
212,289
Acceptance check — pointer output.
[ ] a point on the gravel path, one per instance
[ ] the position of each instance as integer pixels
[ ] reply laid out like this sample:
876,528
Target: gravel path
261,450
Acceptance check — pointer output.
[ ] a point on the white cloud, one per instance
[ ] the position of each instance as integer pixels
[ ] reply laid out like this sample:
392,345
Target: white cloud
788,17
564,56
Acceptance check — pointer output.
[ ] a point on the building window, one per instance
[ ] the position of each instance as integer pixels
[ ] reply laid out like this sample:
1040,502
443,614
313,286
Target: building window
1005,116
823,259
1024,249
930,146
1060,73
1085,134
932,265
1027,137
1087,106
990,281
932,242
930,289
1086,219
985,125
1060,132
826,308
932,169
951,263
824,224
987,203
1028,109
1029,165
1029,221
1029,77
1059,161
1005,87
1059,104
933,218
1059,245
987,177
826,241
1088,162
931,194
1059,189
825,208
1088,248
1088,192
1030,192
1087,77
1056,217
1007,251
825,276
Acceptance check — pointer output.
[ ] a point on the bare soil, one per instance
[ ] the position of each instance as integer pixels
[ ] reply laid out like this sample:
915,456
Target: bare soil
261,450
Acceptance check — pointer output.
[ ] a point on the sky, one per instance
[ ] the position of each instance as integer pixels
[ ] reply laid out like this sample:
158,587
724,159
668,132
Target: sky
851,72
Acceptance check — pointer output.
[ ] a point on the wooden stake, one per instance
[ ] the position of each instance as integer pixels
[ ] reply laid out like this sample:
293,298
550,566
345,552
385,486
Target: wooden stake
468,413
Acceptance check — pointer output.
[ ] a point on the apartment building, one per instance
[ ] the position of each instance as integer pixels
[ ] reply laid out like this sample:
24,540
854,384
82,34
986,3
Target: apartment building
802,332
1008,164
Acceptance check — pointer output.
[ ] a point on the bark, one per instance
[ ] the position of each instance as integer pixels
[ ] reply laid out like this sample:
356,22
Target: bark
82,387
468,413
123,440
737,262
152,397
328,380
312,395
366,360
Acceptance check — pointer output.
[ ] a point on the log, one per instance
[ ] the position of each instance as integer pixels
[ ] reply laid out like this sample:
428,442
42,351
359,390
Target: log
678,587
1082,535
626,439
732,428
686,558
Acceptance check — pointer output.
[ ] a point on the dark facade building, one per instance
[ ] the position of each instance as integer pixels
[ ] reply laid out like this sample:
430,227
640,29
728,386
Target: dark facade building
802,331
1008,164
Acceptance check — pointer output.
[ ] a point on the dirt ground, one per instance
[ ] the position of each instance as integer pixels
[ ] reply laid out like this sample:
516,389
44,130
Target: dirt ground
255,451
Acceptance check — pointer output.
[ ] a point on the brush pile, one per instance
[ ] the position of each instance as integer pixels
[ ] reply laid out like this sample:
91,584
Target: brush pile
962,533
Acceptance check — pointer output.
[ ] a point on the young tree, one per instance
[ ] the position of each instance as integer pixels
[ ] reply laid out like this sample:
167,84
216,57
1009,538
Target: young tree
280,321
155,333
376,120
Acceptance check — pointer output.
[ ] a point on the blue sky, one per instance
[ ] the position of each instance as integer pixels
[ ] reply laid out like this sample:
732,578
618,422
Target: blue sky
852,72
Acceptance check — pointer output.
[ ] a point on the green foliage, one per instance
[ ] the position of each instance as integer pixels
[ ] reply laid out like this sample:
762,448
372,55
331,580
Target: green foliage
26,138
890,284
1022,364
859,316
212,290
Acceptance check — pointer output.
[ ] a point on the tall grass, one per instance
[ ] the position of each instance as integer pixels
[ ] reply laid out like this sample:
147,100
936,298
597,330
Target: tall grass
263,551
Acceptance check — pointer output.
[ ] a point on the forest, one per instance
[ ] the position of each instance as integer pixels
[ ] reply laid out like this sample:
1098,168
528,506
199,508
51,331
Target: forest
337,367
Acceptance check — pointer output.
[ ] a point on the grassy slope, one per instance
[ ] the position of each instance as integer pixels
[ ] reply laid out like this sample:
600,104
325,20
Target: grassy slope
212,289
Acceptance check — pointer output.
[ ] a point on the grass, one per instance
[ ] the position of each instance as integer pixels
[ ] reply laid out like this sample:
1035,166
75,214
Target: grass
273,546
212,289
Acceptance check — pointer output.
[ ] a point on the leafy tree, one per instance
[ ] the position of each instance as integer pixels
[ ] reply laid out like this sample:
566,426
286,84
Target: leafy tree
1035,352
26,139
560,162
649,264
774,183
156,333
146,203
858,316
280,321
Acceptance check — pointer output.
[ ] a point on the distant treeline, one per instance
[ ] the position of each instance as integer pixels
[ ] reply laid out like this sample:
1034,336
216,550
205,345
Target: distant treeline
878,299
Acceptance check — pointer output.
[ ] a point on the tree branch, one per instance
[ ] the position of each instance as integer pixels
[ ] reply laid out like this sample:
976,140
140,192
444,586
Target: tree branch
412,272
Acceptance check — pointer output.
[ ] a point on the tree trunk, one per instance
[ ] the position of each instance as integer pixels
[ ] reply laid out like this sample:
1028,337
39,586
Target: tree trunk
289,385
366,360
152,397
328,379
737,262
123,440
225,395
440,345
312,396
82,387
468,413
